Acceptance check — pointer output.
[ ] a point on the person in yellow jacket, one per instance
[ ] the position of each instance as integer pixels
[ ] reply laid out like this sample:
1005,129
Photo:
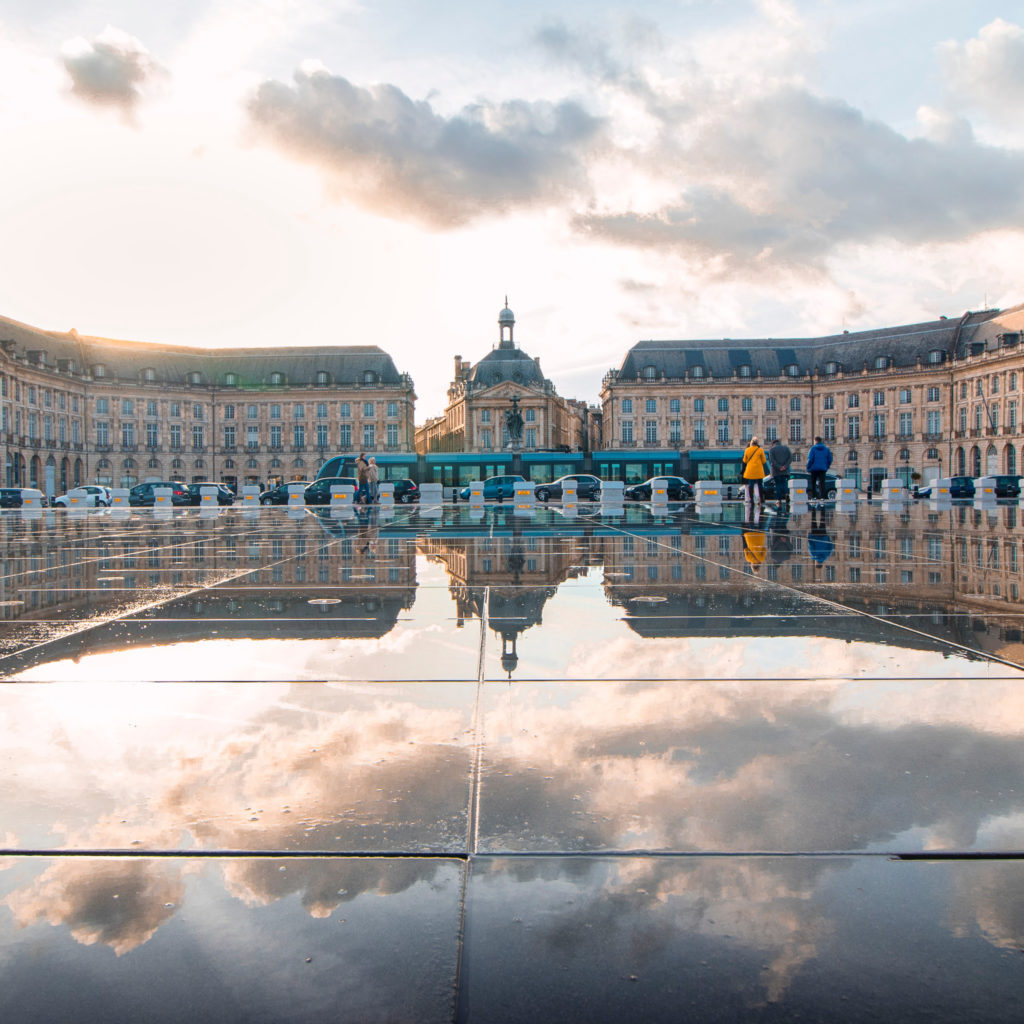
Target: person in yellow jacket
755,468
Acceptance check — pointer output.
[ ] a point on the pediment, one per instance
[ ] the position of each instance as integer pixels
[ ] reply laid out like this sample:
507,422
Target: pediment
506,389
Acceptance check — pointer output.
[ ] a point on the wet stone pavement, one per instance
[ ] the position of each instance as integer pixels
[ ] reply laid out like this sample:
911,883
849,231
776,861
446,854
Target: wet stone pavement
457,765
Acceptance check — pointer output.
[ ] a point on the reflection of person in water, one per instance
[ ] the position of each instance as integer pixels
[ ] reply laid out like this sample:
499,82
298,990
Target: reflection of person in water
819,543
780,542
755,546
366,541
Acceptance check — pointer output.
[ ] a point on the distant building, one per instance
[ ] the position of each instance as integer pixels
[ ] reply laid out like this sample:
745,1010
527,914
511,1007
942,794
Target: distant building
121,412
942,397
480,394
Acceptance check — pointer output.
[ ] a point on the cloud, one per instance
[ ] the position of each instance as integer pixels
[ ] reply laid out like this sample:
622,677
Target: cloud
400,157
987,72
112,70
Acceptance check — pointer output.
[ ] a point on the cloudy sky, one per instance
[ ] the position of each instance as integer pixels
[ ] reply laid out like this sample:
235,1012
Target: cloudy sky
305,171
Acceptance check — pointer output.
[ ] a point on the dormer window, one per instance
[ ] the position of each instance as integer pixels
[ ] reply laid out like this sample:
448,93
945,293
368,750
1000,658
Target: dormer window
323,378
99,371
195,377
697,372
149,374
881,362
936,356
743,370
793,370
277,378
230,380
831,368
369,377
649,372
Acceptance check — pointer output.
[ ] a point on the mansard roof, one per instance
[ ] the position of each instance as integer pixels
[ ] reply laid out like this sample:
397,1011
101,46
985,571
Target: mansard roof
174,364
851,351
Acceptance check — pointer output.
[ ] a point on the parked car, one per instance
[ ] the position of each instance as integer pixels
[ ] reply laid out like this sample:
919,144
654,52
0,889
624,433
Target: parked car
831,485
142,494
497,487
406,491
279,495
10,497
1007,486
101,494
678,489
959,487
588,488
319,491
225,496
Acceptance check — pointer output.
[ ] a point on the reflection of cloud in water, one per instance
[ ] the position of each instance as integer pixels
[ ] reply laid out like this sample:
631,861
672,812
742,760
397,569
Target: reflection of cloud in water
987,901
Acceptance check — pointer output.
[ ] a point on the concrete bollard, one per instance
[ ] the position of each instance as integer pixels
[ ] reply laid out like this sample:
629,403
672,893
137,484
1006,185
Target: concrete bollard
659,493
386,493
524,500
431,499
161,498
707,494
32,497
207,496
476,494
251,496
296,495
612,497
78,498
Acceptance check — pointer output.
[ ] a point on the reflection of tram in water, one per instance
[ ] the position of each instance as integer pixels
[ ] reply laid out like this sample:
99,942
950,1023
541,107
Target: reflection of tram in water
630,465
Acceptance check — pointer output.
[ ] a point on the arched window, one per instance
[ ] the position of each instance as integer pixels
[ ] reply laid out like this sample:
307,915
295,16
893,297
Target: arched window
230,380
177,464
153,464
904,455
128,464
1011,459
852,455
961,462
252,464
975,461
277,378
323,378
199,464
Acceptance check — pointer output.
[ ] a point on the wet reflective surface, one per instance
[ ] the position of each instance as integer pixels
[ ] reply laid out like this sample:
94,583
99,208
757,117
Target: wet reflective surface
457,765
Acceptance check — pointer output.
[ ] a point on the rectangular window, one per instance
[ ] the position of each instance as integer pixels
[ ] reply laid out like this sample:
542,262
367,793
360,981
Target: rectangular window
829,402
368,432
252,437
197,411
530,415
977,417
853,428
298,411
1011,415
829,428
229,412
794,404
627,405
771,432
346,436
485,439
651,432
673,405
485,415
367,409
345,410
698,405
175,435
152,437
275,437
770,405
904,396
878,398
321,410
127,406
878,424
699,434
197,437
76,434
128,434
853,401
723,405
530,437
102,406
933,394
746,405
994,387
627,432
651,405
796,430
392,409
934,421
229,437
723,431
746,430
102,432
299,436
321,435
275,412
906,424
252,412
392,429
674,431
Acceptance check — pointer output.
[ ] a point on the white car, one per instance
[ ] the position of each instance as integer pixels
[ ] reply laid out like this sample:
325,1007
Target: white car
102,495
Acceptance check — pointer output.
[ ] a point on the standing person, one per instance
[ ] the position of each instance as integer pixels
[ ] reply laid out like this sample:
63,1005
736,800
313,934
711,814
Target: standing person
819,458
780,458
755,468
372,480
362,477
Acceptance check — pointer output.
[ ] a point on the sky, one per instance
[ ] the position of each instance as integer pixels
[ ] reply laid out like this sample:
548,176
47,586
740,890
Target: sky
296,172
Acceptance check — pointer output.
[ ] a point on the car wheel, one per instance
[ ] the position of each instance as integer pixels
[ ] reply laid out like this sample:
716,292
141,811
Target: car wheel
406,498
831,494
264,501
543,494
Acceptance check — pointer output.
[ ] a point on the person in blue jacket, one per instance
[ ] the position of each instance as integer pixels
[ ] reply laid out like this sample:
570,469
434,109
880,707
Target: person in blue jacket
819,458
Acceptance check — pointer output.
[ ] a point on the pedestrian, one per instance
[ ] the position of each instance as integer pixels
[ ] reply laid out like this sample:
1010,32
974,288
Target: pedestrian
755,469
819,458
780,458
362,478
372,480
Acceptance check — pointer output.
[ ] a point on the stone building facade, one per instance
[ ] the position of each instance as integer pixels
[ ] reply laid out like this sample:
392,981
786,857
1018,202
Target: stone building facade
917,401
480,394
117,413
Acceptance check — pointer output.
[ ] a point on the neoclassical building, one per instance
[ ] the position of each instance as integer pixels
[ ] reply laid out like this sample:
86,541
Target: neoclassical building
917,401
480,393
119,412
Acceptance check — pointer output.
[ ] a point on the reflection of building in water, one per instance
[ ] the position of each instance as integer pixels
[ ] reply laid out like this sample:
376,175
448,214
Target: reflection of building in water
255,578
511,576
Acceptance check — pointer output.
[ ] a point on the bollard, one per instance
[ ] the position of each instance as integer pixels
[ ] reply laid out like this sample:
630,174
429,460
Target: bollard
431,499
296,495
161,498
659,492
524,499
386,494
985,490
251,496
80,498
708,493
32,497
207,496
612,497
476,494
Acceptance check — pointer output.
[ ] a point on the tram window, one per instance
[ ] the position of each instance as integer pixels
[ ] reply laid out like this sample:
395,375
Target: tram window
635,473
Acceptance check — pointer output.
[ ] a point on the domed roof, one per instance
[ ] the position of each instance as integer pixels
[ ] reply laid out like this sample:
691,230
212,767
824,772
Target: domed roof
506,316
507,364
